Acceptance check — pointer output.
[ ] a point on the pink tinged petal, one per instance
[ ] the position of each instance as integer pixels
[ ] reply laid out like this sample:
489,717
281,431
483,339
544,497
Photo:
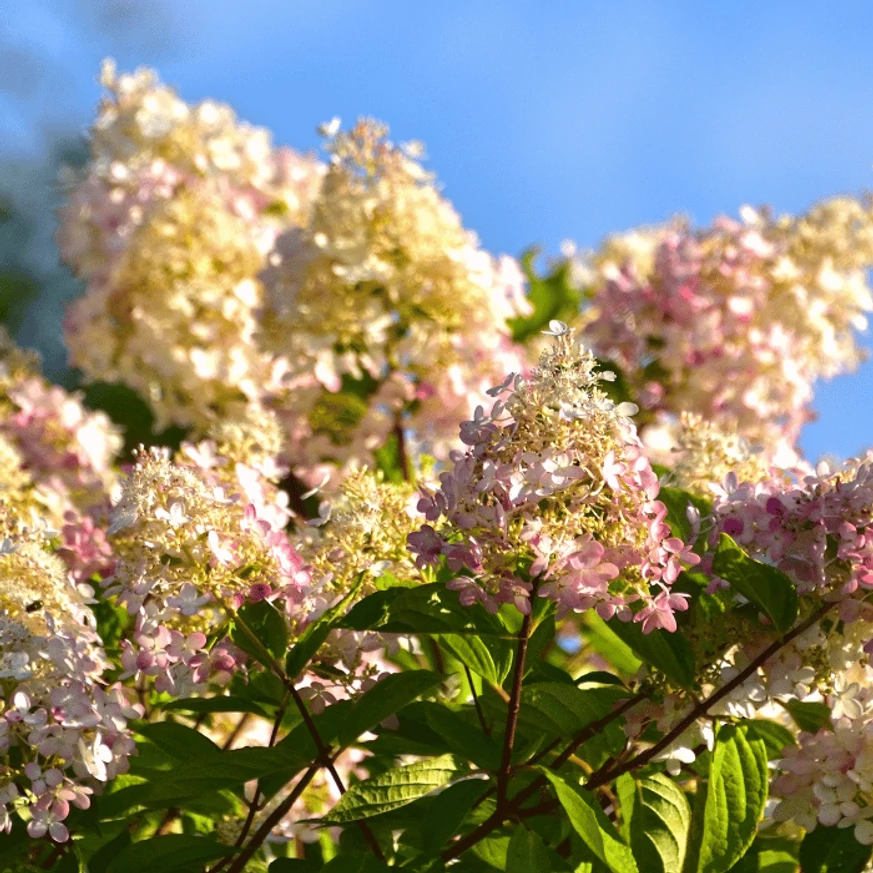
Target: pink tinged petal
58,832
37,828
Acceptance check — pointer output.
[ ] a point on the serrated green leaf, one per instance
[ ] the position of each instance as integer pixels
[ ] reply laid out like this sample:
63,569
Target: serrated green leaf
768,588
487,657
833,850
387,697
562,709
592,825
267,625
731,802
657,820
668,652
809,715
393,789
527,852
463,738
174,852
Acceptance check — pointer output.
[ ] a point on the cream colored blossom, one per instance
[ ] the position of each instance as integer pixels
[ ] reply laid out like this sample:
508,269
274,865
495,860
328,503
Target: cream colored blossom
385,292
169,226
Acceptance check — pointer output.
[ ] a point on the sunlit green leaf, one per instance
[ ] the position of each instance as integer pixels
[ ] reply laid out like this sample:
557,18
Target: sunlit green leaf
590,822
393,789
765,586
731,802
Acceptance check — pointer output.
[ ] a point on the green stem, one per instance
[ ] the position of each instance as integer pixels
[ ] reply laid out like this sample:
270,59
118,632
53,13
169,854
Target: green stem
513,807
513,708
701,708
241,860
324,753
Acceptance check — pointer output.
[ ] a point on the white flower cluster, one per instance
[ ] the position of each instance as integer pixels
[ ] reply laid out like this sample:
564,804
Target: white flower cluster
62,732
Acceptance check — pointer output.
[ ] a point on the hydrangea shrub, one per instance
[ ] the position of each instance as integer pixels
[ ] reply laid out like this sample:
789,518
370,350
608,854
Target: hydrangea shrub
458,566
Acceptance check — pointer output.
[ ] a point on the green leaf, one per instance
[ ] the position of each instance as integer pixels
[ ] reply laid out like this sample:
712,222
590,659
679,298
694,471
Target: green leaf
389,461
551,297
177,740
492,850
387,697
393,789
768,588
776,861
463,738
527,852
769,855
174,852
657,819
677,502
450,807
809,715
775,736
355,862
228,703
592,825
101,859
731,803
833,850
268,625
558,708
316,633
195,776
668,652
425,609
603,639
112,622
487,657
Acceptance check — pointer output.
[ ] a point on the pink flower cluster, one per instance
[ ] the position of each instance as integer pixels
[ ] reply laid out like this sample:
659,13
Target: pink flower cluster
827,778
66,451
734,322
819,532
555,495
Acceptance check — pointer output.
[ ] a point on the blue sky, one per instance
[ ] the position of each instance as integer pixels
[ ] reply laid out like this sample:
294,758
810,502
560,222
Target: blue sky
544,121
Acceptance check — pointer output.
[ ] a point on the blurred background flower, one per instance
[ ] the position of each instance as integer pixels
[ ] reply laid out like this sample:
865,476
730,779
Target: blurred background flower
543,123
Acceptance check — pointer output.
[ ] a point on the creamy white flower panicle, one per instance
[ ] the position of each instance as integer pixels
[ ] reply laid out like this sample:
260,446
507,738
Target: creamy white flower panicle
169,226
384,291
190,554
